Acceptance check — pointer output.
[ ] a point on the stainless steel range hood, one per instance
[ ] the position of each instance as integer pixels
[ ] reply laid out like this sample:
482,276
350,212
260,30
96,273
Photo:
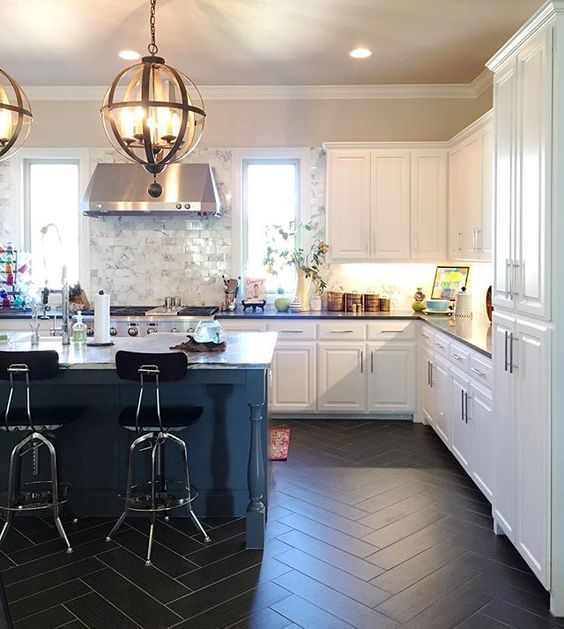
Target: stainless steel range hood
121,189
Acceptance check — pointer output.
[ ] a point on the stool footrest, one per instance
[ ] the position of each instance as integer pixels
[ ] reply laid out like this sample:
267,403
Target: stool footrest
37,495
173,495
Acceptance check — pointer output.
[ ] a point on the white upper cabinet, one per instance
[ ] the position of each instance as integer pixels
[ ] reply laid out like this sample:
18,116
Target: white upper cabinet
348,189
470,192
428,204
390,204
386,202
522,98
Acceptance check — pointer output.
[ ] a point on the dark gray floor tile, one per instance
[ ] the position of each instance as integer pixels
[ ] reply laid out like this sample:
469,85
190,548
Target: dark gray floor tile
97,613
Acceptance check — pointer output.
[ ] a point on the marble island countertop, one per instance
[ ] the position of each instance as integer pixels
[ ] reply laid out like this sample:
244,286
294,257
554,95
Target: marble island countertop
245,350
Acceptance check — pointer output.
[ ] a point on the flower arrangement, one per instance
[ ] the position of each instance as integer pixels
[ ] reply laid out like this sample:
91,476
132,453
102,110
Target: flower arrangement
281,250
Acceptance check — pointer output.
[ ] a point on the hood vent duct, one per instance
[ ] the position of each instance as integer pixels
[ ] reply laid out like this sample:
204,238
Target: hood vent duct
121,189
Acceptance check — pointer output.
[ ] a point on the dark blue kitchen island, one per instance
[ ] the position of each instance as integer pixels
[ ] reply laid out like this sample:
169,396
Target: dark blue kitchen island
227,446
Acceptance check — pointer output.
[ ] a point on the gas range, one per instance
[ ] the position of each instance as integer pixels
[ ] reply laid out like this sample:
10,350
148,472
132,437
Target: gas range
135,320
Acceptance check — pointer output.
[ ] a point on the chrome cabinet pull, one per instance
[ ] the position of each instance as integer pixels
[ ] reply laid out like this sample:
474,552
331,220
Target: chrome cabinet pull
291,331
474,239
465,406
462,405
432,384
392,331
505,353
507,286
439,345
511,368
458,238
342,331
428,374
371,361
456,356
362,362
479,238
478,372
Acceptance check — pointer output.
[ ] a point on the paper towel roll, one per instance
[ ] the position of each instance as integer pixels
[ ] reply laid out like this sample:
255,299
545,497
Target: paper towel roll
101,318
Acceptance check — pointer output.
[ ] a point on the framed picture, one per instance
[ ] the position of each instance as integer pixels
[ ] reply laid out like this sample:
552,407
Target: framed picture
449,280
255,290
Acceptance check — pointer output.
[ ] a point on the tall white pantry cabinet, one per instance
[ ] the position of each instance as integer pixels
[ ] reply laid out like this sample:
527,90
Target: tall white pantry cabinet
528,324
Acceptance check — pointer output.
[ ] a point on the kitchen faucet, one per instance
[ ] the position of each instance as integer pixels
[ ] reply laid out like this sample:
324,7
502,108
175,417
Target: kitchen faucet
65,311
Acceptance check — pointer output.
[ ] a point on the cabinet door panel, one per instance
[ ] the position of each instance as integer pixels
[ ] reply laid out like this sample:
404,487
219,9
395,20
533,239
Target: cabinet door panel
293,378
391,383
532,369
390,205
341,377
504,111
481,418
472,204
533,215
426,387
484,237
442,404
348,205
455,203
461,437
505,426
428,204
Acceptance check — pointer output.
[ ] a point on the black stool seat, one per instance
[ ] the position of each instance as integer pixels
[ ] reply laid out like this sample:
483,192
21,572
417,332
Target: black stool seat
173,417
43,418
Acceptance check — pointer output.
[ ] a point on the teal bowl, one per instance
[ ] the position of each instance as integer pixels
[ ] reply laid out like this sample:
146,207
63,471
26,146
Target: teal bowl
438,305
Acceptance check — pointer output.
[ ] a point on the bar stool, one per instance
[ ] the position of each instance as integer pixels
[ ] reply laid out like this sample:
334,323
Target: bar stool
154,427
20,368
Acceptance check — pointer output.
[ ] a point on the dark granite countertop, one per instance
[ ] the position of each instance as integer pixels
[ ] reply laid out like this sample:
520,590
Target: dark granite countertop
473,331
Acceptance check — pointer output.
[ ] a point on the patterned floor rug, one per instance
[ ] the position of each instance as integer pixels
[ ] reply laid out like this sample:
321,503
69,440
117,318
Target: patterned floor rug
279,444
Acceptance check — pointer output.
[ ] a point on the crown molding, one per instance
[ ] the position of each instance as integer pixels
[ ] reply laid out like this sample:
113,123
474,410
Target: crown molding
284,92
538,21
482,82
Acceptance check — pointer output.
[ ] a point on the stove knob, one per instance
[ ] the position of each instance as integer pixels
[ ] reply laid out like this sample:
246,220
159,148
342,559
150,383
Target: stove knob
89,331
132,331
179,206
152,329
175,330
113,331
187,206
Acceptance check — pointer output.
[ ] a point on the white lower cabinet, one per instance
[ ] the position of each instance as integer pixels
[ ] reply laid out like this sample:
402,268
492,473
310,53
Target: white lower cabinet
461,438
522,365
455,399
294,377
442,405
341,377
391,377
481,418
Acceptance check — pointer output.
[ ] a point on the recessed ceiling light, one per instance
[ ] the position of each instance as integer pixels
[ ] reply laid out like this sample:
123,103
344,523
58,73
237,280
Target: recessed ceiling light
129,55
360,53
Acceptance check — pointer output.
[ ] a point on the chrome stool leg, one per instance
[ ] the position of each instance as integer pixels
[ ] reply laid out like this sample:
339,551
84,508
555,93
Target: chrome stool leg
148,561
54,488
13,485
193,516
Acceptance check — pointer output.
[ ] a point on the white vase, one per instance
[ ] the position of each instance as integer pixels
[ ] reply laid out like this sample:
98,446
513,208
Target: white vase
302,289
315,303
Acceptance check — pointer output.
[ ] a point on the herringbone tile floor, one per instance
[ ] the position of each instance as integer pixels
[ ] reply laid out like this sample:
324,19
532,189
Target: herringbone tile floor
372,525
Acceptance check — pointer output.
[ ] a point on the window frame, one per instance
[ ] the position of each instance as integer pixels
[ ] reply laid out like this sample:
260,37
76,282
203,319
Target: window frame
300,156
19,163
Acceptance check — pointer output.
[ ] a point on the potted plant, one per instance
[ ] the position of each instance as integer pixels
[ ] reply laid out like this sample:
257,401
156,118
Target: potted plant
282,250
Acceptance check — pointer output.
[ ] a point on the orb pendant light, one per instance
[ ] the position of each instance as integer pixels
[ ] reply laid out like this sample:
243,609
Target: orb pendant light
15,116
153,114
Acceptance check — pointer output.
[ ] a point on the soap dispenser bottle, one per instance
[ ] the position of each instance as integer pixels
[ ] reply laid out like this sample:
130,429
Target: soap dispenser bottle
79,331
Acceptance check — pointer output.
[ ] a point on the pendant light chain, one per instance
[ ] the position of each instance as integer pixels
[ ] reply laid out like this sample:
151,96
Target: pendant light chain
153,48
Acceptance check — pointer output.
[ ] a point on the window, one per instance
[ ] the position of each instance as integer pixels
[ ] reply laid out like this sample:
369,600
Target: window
51,218
271,196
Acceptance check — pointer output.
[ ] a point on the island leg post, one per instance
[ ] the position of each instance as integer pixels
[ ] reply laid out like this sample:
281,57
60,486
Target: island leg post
256,476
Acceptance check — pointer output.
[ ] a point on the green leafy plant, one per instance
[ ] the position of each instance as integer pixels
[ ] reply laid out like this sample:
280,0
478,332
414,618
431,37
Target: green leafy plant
281,250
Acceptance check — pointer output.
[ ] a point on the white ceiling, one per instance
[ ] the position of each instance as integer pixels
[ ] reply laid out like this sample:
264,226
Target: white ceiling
259,42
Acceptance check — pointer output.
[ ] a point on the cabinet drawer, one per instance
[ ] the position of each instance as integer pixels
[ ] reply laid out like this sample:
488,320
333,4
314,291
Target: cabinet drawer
389,330
240,325
341,331
458,355
481,370
441,344
292,330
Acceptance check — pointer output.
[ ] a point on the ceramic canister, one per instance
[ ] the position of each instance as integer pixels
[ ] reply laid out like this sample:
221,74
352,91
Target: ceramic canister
463,304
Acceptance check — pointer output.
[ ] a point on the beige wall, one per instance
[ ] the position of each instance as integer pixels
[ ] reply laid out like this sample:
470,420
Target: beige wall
237,123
